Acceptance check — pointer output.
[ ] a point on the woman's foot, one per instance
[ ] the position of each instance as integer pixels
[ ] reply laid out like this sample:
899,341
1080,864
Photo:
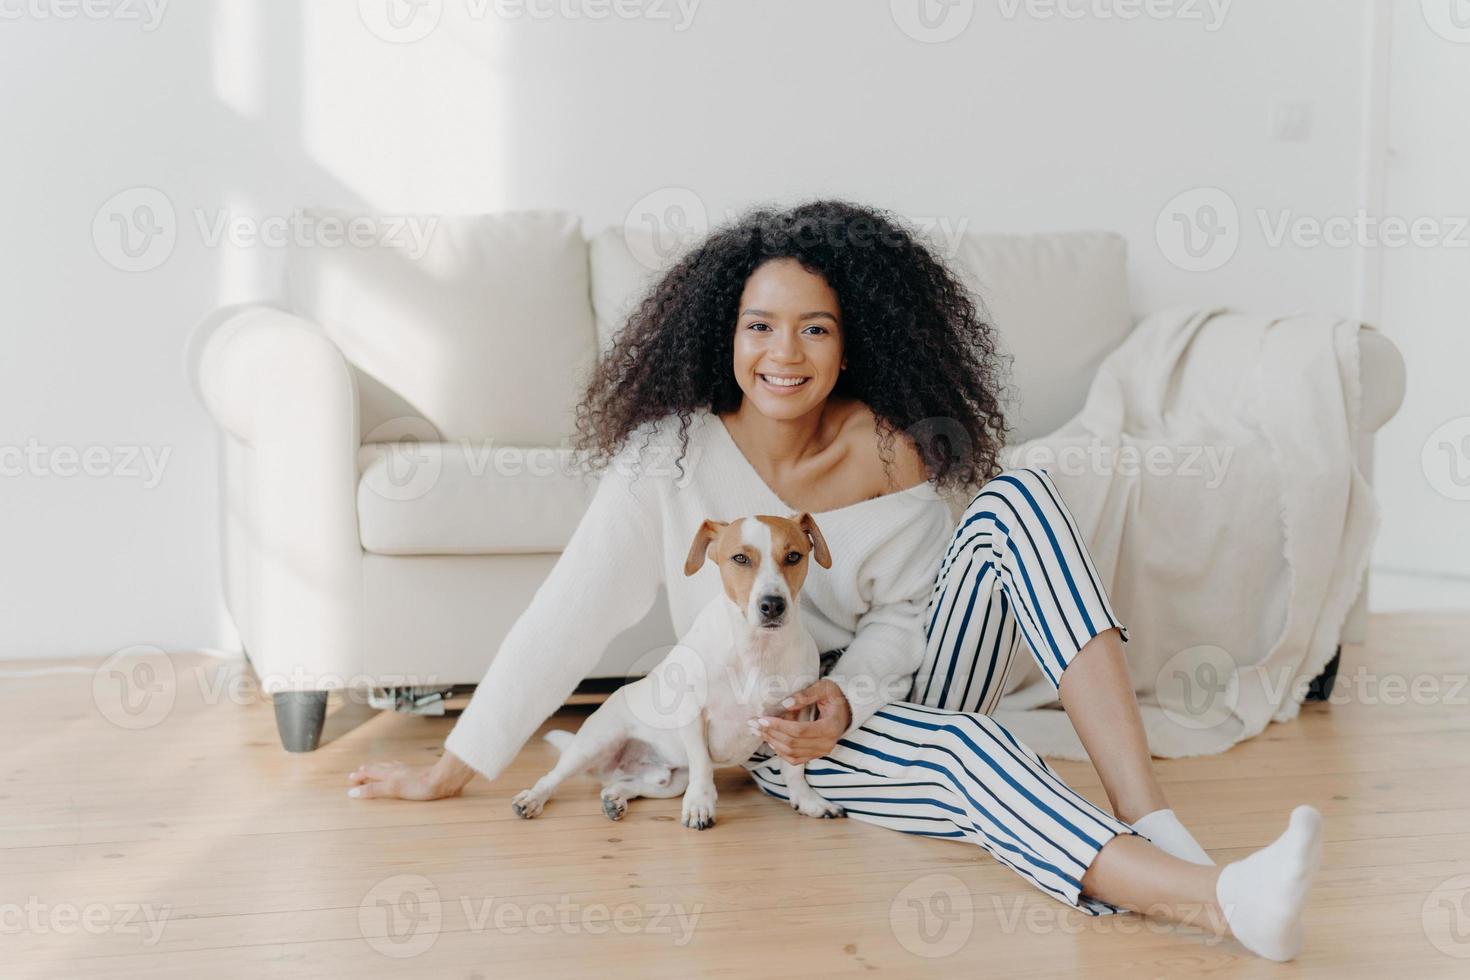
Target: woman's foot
1263,896
397,781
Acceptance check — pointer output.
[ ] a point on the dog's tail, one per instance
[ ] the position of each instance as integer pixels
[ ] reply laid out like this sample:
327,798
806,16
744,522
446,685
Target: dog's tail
561,739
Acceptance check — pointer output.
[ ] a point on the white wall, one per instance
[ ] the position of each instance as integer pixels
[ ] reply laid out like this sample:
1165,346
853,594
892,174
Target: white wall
1423,470
1026,123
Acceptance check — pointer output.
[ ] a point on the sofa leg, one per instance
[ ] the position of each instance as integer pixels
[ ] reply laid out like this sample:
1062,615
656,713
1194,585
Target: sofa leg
299,719
1321,687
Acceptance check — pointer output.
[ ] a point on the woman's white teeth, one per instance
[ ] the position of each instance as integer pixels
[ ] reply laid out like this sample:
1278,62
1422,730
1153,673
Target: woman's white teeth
783,382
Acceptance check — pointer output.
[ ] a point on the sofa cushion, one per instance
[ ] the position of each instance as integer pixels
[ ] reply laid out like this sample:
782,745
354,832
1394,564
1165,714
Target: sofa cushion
1059,302
468,498
479,324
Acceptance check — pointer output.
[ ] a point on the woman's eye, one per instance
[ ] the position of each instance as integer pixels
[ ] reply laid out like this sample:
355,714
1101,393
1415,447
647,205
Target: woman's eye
793,557
758,326
740,559
817,328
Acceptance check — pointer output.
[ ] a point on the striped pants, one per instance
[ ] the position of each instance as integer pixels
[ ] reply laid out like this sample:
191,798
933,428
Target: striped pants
936,764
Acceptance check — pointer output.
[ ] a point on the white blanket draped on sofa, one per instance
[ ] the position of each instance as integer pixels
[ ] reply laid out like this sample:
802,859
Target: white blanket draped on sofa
1214,474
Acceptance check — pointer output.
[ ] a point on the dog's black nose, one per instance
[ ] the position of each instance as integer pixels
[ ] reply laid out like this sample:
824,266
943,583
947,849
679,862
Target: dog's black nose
771,607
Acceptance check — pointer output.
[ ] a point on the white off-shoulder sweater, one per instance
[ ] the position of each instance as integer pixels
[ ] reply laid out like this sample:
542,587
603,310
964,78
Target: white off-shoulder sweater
636,535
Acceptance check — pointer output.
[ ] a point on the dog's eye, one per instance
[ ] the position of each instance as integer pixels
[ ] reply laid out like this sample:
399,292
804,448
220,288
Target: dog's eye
792,557
740,559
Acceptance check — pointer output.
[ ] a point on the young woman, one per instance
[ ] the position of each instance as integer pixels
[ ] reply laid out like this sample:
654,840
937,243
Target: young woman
786,364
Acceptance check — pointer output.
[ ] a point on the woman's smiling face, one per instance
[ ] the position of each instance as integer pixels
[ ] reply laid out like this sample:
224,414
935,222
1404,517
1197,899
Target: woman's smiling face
788,340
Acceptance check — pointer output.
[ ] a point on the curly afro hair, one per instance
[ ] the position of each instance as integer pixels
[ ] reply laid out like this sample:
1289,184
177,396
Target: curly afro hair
919,352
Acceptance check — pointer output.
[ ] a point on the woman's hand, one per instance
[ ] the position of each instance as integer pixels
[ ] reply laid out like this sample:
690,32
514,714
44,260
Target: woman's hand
397,781
799,742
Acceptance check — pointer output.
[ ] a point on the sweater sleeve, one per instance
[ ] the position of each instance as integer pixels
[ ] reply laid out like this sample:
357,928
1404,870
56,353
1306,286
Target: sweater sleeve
888,643
605,581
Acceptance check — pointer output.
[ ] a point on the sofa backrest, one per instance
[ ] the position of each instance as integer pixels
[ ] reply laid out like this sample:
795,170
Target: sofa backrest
486,326
479,325
1058,301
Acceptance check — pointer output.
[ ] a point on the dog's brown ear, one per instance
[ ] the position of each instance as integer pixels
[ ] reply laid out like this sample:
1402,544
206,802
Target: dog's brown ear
809,527
699,550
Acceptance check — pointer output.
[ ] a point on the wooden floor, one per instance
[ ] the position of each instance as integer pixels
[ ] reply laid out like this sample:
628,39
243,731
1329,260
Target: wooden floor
139,841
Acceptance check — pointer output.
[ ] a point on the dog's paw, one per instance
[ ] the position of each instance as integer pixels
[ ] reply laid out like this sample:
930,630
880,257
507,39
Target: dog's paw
614,807
699,810
815,806
526,804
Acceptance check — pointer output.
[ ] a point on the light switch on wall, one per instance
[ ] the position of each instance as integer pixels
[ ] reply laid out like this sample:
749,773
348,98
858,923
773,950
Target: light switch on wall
1291,120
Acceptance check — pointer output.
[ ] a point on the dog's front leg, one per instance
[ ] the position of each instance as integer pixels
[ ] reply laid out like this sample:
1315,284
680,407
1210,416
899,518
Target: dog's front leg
804,799
699,798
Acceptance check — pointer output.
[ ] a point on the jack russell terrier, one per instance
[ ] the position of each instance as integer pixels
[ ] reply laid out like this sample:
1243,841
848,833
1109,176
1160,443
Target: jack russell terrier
747,651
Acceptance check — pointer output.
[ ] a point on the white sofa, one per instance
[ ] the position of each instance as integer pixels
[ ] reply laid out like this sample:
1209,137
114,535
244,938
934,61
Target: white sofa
392,488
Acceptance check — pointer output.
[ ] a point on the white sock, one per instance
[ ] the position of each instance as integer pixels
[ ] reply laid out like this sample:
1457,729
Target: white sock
1263,895
1165,832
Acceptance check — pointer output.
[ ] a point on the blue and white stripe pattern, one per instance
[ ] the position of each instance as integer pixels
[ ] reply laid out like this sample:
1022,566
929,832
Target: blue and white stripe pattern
938,765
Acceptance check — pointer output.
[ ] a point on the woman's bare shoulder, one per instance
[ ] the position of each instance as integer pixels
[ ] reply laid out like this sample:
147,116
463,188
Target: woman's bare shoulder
860,430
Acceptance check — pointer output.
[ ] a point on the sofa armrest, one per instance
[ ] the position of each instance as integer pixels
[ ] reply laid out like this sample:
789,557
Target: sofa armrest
286,397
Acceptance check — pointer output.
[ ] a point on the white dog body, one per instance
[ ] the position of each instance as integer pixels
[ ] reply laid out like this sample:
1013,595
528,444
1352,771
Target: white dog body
746,652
